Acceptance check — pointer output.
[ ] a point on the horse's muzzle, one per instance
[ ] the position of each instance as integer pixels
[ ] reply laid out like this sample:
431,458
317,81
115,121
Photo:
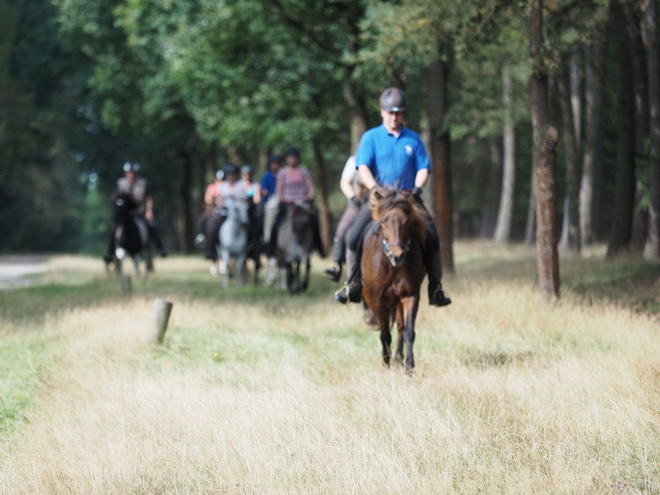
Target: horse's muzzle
396,259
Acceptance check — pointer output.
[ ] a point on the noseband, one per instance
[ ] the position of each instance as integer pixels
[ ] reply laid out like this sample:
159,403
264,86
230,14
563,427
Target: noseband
387,249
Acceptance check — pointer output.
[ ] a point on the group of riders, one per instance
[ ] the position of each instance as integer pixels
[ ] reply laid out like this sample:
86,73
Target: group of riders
390,156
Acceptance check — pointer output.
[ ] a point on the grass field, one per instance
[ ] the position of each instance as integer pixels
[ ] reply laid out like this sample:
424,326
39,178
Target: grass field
255,391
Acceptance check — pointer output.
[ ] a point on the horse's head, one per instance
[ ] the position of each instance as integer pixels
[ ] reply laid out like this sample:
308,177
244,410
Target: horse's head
123,205
239,210
400,221
302,221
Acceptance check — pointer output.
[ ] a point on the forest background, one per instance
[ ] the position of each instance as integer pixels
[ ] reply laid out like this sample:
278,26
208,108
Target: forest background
185,87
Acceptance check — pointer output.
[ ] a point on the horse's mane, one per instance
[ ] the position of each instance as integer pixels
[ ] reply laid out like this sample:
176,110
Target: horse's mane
383,200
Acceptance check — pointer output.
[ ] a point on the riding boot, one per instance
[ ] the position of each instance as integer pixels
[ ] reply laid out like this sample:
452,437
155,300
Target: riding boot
212,227
352,289
334,272
434,270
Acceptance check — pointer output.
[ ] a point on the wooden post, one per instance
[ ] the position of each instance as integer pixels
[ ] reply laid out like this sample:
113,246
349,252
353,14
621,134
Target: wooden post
162,310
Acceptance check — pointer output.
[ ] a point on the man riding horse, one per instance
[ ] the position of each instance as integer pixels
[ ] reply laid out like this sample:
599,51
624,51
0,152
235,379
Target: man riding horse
137,188
393,156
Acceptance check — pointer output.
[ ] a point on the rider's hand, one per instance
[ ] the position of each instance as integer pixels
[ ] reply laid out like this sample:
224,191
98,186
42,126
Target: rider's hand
356,201
149,215
417,193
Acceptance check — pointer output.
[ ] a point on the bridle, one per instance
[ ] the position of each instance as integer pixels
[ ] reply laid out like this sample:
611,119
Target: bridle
387,249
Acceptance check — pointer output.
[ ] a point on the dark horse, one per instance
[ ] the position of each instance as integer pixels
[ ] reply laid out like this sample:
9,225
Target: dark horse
295,242
131,234
393,269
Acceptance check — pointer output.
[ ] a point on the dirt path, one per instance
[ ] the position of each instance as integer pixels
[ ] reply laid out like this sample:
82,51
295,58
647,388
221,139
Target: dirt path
21,270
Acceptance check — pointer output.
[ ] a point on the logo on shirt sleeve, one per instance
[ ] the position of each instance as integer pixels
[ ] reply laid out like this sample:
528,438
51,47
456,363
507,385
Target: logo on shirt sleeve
409,150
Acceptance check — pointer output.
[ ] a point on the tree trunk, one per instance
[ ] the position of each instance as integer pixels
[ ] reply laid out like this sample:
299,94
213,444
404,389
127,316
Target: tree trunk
592,158
186,226
570,238
530,224
642,125
324,210
440,157
624,199
576,93
357,107
489,214
545,150
357,111
652,247
505,214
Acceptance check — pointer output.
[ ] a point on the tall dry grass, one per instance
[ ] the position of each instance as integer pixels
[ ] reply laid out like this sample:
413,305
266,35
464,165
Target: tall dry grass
289,396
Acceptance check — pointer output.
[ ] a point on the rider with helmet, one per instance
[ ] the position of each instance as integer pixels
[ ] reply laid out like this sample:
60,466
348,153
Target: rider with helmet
294,184
252,189
208,219
393,156
357,195
231,189
137,187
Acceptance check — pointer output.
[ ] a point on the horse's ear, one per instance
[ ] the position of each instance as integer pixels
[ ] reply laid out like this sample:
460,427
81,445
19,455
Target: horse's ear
377,193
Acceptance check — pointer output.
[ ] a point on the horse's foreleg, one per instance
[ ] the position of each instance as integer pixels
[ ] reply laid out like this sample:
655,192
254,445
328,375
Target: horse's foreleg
271,271
136,265
410,306
227,272
385,338
308,266
240,269
290,278
398,356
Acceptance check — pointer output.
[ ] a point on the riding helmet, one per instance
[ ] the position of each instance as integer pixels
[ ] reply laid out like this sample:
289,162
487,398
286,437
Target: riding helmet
247,169
230,168
274,159
292,151
131,167
393,100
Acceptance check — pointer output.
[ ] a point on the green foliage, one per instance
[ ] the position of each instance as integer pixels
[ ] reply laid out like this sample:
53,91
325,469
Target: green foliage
177,85
96,214
39,190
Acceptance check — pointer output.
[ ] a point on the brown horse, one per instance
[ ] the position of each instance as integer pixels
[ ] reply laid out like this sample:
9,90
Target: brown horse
393,268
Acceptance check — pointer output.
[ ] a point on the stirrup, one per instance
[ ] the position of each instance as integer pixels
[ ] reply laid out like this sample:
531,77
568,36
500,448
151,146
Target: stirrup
200,241
333,273
348,293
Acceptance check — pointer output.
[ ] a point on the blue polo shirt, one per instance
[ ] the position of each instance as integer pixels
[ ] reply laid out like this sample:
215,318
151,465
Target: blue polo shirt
268,181
393,161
